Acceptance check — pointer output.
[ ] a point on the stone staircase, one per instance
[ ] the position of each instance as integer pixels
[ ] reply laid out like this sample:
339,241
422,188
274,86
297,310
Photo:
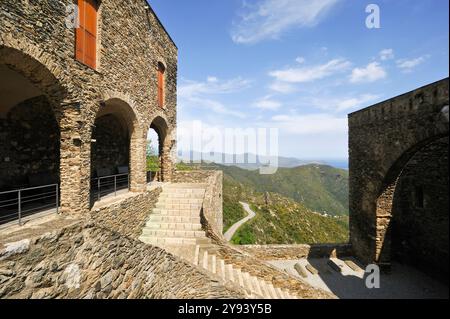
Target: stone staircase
254,287
176,218
175,225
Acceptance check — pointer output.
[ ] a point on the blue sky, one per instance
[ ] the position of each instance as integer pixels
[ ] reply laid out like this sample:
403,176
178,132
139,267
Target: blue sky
300,65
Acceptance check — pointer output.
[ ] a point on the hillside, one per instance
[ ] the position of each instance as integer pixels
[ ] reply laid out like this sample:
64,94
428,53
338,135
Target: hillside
279,219
284,221
320,188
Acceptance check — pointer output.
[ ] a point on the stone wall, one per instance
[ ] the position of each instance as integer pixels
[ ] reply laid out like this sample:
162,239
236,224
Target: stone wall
256,267
420,219
29,145
127,216
285,252
35,43
382,139
111,148
85,261
212,210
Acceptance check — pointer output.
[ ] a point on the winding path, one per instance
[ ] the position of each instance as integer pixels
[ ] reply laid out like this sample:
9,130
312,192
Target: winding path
232,230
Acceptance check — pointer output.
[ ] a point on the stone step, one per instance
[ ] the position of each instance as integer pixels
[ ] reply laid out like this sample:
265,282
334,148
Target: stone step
162,205
173,233
183,195
184,200
196,191
173,226
177,212
161,241
160,218
186,185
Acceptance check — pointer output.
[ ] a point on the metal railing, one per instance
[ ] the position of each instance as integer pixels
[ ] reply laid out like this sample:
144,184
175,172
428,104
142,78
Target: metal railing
21,203
107,185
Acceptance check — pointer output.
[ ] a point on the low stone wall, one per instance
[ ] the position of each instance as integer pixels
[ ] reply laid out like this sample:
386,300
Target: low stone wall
86,261
252,265
127,216
212,212
285,252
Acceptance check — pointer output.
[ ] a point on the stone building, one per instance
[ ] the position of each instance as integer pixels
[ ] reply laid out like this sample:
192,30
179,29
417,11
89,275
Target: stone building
399,180
76,103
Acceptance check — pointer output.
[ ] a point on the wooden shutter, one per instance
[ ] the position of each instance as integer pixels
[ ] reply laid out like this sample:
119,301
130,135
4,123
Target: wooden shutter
161,70
86,34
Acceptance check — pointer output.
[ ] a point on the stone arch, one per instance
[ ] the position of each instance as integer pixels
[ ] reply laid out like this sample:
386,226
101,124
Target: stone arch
161,125
118,142
389,197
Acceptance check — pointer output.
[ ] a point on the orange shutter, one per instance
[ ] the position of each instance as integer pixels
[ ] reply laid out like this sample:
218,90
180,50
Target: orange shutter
161,85
86,34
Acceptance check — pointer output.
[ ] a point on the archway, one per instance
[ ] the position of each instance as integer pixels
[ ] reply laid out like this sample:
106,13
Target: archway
159,164
412,211
29,138
116,137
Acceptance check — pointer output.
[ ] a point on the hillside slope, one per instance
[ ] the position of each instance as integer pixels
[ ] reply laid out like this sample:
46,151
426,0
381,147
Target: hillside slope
320,188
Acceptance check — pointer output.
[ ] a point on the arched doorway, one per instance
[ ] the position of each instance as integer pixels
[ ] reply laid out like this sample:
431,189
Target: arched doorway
113,149
29,141
158,160
412,212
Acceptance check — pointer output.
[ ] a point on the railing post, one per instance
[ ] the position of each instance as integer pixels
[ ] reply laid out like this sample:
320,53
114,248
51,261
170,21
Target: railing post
57,200
115,185
98,188
19,202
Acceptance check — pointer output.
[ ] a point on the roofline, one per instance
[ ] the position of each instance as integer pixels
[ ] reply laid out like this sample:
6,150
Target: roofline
397,96
160,23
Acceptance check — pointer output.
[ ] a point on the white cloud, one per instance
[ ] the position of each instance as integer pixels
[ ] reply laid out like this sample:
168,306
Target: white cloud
199,94
312,73
269,19
387,54
267,103
310,124
355,102
408,65
371,73
282,87
212,85
300,60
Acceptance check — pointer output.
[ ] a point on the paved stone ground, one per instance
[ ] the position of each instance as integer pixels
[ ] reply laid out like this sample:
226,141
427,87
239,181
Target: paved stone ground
402,282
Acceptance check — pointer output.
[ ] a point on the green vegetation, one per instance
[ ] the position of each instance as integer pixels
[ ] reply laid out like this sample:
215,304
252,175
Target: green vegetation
286,204
284,221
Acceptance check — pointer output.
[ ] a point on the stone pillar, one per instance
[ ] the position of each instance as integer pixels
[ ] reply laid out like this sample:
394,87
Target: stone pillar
138,162
74,161
166,158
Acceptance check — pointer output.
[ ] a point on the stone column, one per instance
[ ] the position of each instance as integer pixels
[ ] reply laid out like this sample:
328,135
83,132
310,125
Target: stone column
74,161
138,162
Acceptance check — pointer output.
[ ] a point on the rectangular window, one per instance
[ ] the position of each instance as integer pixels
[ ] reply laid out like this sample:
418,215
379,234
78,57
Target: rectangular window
86,34
161,71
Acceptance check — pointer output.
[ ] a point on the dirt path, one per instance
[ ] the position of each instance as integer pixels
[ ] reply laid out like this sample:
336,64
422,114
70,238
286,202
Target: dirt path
232,230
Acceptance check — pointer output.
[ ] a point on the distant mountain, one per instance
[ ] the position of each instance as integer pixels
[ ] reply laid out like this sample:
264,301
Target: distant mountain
250,161
320,188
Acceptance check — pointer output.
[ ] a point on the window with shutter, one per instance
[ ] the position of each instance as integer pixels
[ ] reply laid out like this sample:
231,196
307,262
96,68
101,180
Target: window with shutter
86,34
161,71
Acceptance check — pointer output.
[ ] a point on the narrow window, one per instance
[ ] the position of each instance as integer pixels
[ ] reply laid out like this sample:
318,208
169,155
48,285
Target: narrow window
161,71
86,34
418,197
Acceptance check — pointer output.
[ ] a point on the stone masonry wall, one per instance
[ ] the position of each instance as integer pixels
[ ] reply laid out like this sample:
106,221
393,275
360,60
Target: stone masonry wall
420,219
127,216
85,261
382,139
285,252
29,145
131,41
